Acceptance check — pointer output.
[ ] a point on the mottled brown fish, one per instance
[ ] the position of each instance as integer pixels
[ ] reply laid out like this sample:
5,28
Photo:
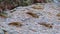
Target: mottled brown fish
3,15
15,24
58,15
38,7
5,32
33,14
46,25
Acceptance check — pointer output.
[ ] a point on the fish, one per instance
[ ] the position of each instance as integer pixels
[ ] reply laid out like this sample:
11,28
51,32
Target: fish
58,15
33,14
17,24
46,25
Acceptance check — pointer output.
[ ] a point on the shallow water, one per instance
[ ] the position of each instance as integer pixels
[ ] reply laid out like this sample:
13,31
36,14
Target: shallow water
30,24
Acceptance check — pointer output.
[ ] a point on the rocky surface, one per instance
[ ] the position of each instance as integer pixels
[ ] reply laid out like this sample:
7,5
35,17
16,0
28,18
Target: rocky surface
34,19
